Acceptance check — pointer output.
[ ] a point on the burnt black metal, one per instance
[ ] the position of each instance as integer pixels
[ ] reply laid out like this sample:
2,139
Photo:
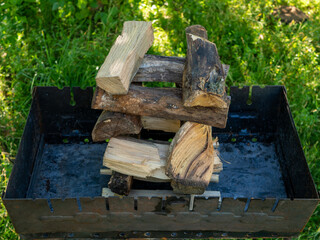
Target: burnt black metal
54,190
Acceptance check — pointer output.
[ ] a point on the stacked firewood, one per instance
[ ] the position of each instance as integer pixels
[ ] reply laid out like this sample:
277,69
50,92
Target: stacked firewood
190,161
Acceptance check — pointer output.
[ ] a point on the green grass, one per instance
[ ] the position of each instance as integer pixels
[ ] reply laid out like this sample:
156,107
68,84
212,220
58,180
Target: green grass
62,43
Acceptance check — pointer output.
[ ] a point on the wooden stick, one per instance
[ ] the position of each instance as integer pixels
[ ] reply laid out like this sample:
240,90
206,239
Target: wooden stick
204,78
191,159
164,194
111,124
106,171
161,103
166,125
125,57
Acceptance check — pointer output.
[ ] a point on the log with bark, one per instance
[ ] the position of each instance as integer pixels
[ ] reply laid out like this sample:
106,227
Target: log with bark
160,69
120,183
111,124
125,57
161,103
204,77
163,69
191,159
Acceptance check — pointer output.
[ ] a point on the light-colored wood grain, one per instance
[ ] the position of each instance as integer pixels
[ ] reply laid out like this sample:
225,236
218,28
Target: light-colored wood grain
191,158
138,158
125,57
111,124
154,123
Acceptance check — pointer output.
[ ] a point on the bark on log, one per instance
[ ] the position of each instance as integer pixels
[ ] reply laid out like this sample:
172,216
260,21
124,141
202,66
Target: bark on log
159,102
111,124
166,125
125,57
191,159
160,69
120,183
163,69
204,77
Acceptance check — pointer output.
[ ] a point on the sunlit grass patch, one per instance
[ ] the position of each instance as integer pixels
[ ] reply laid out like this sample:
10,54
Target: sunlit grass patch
62,43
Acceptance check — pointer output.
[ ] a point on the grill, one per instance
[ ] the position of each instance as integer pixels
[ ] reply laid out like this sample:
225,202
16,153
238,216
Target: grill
55,187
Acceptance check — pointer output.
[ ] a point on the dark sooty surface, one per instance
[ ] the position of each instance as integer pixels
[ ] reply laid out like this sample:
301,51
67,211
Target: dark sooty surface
68,170
250,169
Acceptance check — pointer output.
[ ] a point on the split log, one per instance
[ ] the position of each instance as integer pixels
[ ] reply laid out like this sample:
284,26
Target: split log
161,103
120,183
125,57
163,69
203,80
166,125
191,159
111,124
138,158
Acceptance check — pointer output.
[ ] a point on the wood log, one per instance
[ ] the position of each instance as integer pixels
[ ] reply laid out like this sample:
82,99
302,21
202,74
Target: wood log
106,171
120,183
166,125
125,57
163,69
160,69
138,158
111,124
203,80
191,159
161,103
